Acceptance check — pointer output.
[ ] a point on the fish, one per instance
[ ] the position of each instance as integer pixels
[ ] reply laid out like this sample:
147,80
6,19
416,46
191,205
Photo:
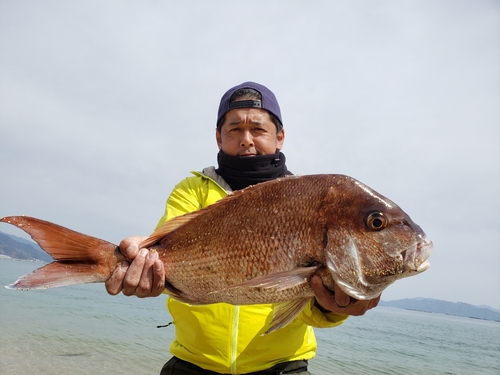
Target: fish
258,245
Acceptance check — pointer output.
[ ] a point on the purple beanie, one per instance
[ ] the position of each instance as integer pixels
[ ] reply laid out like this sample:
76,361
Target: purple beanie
268,101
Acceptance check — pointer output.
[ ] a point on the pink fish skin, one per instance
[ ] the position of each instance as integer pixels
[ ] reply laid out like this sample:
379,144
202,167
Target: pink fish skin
258,245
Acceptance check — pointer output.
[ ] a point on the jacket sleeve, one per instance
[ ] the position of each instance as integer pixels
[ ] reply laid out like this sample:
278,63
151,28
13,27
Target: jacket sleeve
185,198
313,316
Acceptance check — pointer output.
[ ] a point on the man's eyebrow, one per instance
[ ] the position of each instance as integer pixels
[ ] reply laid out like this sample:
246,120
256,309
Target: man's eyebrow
238,122
257,122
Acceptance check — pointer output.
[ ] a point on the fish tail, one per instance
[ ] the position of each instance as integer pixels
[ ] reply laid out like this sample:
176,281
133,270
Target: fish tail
78,258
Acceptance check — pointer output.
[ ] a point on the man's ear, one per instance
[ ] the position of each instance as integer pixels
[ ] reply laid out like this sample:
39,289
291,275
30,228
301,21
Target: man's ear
280,139
218,138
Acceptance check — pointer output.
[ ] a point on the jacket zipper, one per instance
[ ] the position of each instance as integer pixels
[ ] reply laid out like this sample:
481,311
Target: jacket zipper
234,338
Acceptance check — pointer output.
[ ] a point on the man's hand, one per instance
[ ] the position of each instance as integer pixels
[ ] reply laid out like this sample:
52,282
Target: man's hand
143,277
339,302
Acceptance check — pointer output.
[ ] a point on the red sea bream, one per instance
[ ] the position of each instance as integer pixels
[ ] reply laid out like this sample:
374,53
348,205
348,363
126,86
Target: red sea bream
258,245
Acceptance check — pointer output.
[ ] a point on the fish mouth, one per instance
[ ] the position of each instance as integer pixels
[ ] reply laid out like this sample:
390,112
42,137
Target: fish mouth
416,257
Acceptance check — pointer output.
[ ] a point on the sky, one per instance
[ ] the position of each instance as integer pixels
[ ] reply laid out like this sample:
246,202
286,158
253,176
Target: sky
106,105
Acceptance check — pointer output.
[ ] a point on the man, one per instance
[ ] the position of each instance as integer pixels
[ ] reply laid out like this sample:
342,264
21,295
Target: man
221,338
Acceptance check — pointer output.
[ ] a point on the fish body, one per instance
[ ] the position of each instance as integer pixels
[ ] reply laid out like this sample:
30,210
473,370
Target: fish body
258,245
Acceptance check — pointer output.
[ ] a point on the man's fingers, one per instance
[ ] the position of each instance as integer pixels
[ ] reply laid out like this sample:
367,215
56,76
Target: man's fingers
129,246
143,277
338,301
159,278
374,302
342,299
134,273
320,291
115,282
146,281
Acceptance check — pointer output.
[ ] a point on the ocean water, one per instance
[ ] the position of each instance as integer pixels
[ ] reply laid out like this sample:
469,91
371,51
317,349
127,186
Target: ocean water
82,330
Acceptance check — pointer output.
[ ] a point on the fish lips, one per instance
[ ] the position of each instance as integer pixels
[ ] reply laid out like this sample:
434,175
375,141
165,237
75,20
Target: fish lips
416,257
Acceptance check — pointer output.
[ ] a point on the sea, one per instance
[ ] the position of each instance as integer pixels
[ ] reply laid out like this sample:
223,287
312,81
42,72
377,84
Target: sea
81,330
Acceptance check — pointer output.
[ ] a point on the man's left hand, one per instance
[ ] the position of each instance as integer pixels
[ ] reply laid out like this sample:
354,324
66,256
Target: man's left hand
338,301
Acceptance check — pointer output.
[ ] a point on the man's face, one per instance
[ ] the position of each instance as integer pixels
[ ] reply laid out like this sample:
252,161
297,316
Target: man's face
249,132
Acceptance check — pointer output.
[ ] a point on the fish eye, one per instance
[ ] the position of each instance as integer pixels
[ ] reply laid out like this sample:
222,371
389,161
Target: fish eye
376,221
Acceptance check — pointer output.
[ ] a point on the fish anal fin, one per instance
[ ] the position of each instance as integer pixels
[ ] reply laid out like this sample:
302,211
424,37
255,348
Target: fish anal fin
58,274
285,312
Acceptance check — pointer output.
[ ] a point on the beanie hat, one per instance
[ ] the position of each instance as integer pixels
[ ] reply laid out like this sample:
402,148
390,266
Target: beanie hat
268,102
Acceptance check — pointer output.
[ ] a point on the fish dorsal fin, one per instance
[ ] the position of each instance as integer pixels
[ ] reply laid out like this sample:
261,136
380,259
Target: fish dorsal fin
169,227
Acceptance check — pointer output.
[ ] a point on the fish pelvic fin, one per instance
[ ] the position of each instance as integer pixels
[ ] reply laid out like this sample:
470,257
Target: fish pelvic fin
173,292
78,258
285,312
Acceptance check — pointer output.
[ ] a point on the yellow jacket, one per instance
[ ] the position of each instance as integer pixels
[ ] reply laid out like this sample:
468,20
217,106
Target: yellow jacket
225,338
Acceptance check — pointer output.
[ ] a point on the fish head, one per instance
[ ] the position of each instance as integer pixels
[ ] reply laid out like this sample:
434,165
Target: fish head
370,242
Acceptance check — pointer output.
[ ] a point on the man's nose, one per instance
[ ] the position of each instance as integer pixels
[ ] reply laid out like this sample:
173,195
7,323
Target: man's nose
246,139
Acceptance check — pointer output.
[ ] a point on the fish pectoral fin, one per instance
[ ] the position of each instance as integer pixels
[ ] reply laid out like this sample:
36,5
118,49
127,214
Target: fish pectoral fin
285,312
280,280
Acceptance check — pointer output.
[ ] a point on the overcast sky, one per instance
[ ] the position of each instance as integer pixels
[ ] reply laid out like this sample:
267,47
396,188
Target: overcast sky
106,105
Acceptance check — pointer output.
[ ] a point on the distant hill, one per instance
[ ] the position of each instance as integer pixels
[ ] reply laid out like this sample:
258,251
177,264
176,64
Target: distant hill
19,248
445,307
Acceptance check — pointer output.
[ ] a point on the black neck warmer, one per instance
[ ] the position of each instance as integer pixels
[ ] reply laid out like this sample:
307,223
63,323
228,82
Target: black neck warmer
242,171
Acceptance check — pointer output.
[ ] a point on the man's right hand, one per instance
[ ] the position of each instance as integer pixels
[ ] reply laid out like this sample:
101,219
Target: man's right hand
143,277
